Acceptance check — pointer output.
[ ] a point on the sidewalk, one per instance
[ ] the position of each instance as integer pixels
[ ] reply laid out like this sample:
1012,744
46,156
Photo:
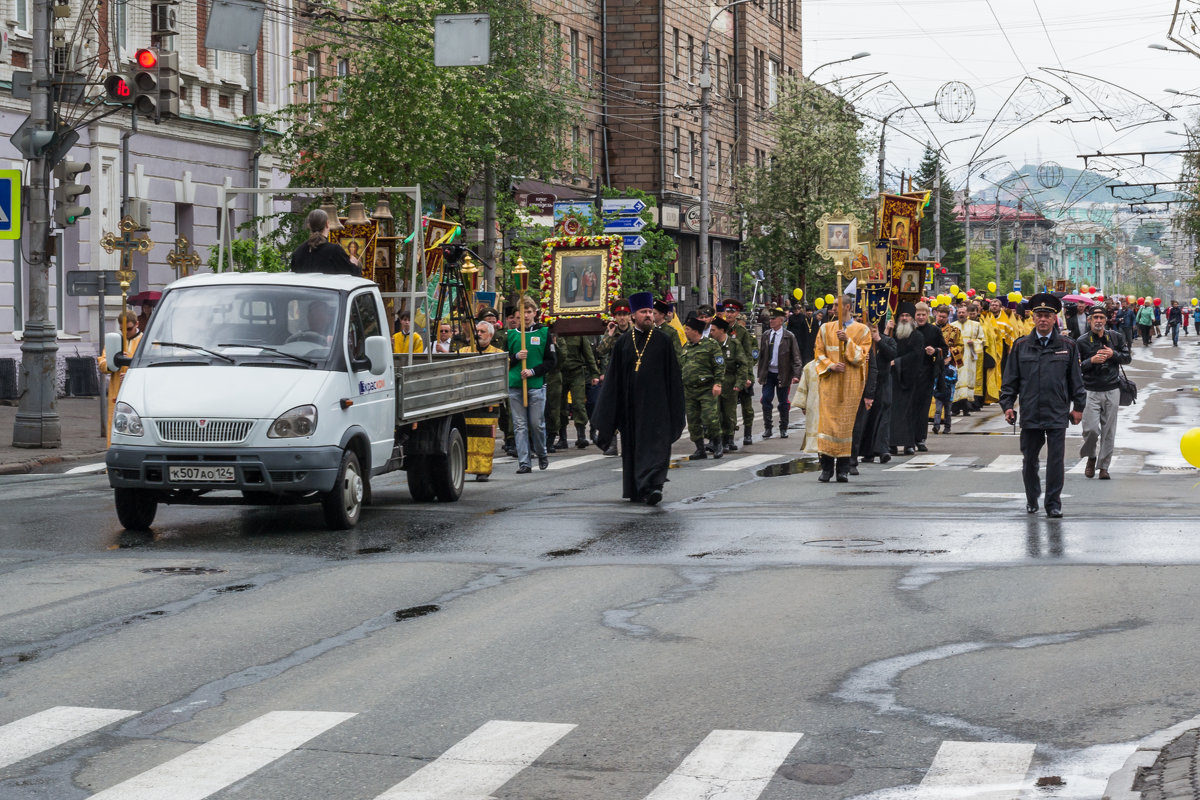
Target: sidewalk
79,418
1164,767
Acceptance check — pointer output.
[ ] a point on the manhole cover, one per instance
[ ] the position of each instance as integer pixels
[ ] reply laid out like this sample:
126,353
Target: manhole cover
839,544
181,570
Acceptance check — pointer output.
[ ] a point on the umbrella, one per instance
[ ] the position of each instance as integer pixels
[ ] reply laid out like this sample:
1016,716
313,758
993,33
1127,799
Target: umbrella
1077,299
145,297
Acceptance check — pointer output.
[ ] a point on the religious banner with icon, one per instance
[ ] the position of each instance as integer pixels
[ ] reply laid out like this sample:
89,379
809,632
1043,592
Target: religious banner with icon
873,302
837,236
359,243
581,276
899,221
437,233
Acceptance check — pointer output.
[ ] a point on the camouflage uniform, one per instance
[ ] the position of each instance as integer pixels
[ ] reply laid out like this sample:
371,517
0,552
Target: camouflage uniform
579,368
556,412
737,372
703,366
749,346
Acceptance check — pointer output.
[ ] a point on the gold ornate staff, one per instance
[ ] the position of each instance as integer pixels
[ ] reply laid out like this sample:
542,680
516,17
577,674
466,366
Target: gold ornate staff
470,281
183,259
521,276
128,245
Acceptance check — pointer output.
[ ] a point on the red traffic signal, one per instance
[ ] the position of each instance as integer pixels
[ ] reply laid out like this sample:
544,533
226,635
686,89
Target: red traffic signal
118,88
146,58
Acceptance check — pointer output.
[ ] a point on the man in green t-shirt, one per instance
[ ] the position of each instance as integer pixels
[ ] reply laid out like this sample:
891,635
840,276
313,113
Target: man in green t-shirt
534,347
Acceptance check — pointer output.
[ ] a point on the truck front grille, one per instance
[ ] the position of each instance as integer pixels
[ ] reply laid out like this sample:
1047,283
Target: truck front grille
212,431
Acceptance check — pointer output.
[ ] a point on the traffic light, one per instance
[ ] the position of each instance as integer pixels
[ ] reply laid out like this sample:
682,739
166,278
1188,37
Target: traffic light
117,87
146,81
67,210
168,85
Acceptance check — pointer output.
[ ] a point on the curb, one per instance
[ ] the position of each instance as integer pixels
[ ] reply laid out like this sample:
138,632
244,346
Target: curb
1120,783
33,464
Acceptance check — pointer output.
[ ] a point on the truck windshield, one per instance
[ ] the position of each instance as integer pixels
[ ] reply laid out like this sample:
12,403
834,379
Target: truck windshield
286,326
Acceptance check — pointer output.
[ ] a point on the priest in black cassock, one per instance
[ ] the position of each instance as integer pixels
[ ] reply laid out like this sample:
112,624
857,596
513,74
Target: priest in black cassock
910,349
931,367
642,397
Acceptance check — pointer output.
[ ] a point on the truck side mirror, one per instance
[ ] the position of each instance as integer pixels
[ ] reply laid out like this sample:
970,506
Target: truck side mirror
379,352
116,357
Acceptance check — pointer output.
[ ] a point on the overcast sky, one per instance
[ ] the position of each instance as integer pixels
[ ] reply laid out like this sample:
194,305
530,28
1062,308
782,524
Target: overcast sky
990,45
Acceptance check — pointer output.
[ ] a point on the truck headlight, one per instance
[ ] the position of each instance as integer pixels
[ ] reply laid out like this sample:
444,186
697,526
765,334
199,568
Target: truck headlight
126,421
299,421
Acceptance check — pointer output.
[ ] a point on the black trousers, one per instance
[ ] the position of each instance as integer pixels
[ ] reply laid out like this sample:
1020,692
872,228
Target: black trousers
1055,440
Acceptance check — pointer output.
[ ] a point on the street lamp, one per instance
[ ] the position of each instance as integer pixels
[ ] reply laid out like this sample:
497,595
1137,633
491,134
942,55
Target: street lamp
1165,49
883,135
1183,94
854,57
705,97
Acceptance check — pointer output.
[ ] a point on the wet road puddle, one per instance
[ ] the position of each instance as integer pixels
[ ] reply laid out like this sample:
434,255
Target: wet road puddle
415,611
794,467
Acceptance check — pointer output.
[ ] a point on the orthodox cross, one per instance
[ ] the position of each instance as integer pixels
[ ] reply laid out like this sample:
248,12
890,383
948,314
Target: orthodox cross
128,245
183,259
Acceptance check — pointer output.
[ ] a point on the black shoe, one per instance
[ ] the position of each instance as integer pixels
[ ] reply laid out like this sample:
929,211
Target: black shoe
718,447
561,444
747,440
867,460
825,476
612,450
550,448
853,470
581,443
700,453
936,430
653,497
947,428
1031,508
767,433
482,478
524,469
510,450
543,462
783,434
885,458
966,413
730,447
841,478
908,451
921,448
1053,513
708,448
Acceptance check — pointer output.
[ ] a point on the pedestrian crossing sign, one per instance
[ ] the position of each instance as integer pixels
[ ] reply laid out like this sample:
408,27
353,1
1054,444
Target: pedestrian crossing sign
10,204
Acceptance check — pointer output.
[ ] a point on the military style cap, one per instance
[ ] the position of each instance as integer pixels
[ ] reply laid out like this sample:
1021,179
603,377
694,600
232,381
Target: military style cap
640,300
696,324
1044,301
620,306
721,323
729,304
662,307
778,312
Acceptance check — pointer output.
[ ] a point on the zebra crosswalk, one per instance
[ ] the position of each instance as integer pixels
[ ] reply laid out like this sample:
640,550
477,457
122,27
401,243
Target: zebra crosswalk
726,764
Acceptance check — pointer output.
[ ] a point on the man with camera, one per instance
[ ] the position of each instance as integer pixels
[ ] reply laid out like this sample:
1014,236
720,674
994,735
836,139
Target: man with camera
1101,354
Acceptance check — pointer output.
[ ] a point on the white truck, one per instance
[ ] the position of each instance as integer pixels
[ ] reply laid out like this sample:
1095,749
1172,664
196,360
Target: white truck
257,388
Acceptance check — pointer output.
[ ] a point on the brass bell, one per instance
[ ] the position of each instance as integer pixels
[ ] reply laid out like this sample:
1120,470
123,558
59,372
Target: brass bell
356,212
329,206
383,209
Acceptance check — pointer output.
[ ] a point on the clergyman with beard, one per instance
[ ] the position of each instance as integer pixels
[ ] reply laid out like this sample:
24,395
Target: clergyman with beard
910,350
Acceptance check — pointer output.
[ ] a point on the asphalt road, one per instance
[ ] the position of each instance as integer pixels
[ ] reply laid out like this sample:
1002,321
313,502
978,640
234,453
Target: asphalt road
911,634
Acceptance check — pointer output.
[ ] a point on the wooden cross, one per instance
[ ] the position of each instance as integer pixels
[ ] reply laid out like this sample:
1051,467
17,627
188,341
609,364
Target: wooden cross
128,245
183,259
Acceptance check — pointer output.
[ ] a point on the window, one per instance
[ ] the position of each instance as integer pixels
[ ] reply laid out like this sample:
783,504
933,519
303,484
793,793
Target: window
989,234
691,154
675,151
773,71
122,24
732,162
23,15
343,70
717,74
677,59
731,76
576,153
793,17
774,10
593,154
591,62
364,322
576,68
691,61
717,161
759,77
314,70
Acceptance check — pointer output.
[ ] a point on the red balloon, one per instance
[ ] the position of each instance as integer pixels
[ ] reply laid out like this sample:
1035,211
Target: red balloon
1141,301
1100,297
970,292
1158,301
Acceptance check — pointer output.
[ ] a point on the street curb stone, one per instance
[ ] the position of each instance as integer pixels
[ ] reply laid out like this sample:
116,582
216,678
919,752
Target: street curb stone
1164,767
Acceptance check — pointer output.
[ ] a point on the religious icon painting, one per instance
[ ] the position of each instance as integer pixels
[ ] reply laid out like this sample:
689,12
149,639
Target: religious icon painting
437,233
876,258
899,221
359,243
837,235
580,278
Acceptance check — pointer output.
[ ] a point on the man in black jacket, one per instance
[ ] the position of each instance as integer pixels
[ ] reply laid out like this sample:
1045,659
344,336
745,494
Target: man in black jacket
1043,371
1101,352
318,254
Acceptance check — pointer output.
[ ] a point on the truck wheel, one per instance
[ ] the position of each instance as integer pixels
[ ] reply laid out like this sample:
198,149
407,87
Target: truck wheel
135,508
343,504
420,485
448,470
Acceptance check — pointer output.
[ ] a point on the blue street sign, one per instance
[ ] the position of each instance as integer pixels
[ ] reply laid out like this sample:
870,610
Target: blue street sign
582,208
10,204
622,205
634,242
623,224
1017,285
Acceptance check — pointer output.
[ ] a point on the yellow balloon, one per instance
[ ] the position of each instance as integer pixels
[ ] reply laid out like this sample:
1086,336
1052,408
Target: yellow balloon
954,289
1083,287
798,294
829,299
991,286
819,303
1195,302
963,296
1189,445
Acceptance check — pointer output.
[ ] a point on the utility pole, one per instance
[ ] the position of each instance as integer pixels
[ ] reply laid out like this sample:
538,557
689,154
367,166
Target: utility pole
937,211
37,423
967,223
998,232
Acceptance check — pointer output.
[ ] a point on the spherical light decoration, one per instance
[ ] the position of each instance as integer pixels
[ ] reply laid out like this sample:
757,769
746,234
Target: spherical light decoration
954,102
1050,174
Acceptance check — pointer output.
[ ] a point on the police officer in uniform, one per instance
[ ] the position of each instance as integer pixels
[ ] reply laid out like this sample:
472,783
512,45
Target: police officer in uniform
737,373
749,345
703,368
1043,372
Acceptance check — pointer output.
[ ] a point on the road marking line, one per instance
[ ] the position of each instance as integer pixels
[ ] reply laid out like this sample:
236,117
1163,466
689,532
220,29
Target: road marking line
229,758
481,763
924,461
86,469
574,462
1004,463
1118,464
980,770
48,729
729,765
744,462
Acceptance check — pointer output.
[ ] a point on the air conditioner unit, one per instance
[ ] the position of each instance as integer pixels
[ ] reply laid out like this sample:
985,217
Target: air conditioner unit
140,211
740,91
164,20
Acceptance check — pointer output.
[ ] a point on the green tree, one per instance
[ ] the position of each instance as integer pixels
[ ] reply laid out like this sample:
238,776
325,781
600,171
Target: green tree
390,117
953,237
818,166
